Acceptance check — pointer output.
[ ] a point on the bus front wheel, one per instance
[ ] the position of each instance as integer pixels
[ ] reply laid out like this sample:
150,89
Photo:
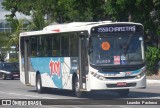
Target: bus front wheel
77,91
4,76
39,84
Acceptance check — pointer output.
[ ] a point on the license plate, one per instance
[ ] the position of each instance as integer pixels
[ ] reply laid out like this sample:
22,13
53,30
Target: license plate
121,84
15,75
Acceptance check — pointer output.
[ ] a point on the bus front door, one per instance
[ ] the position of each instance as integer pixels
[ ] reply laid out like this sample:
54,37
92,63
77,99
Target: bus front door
82,62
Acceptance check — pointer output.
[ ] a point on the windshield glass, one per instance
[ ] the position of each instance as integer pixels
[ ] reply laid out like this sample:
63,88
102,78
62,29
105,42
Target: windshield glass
115,50
9,66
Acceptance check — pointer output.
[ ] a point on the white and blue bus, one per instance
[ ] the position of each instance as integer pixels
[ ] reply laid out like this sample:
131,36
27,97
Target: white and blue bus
84,56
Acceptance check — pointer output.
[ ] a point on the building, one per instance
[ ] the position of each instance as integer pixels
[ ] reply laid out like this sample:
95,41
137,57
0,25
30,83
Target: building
5,27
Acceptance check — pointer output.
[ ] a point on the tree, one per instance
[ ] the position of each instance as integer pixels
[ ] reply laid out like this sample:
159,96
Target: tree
139,11
135,11
155,14
4,37
59,10
17,26
22,6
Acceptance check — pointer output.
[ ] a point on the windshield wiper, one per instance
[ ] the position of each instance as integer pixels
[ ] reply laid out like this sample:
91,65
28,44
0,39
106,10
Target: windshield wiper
90,51
126,46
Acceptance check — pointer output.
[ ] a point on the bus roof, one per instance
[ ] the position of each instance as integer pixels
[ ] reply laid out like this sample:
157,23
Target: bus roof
70,27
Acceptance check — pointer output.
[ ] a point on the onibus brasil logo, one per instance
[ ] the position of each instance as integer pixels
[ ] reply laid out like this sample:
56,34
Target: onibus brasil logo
55,67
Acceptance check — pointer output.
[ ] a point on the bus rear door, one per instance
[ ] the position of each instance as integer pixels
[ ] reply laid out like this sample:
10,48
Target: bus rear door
26,60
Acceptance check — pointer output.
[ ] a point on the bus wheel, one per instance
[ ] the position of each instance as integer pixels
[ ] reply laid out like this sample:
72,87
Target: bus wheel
124,93
4,76
39,84
77,91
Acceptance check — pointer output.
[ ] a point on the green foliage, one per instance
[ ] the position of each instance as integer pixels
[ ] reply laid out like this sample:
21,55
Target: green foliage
24,6
152,59
44,12
4,38
58,10
17,28
13,60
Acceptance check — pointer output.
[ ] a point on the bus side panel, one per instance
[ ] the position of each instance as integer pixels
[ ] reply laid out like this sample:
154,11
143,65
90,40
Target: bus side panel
66,76
22,75
55,71
50,70
32,74
32,78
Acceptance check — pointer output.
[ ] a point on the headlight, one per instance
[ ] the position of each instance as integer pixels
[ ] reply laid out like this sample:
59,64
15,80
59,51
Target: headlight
98,76
142,73
6,72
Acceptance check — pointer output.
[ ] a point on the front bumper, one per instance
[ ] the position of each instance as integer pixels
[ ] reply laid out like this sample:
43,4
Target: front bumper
108,84
12,76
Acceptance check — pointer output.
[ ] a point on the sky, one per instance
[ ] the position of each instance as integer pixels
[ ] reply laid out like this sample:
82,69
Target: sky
1,10
4,12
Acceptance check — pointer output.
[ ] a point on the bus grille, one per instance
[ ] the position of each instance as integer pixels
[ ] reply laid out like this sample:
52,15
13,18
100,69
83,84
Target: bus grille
120,69
119,78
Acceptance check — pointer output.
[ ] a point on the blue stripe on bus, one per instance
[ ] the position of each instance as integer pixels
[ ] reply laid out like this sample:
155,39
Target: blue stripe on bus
132,72
50,65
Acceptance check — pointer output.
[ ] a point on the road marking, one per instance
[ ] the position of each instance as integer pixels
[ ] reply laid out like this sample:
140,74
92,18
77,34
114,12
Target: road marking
125,106
3,82
27,95
154,97
2,92
14,94
31,96
153,81
49,98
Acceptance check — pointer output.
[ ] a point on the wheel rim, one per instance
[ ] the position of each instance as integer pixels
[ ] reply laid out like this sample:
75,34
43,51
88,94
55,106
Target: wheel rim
3,76
77,86
38,85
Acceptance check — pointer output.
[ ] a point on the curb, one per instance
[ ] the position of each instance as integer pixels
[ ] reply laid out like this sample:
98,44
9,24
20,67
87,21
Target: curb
153,81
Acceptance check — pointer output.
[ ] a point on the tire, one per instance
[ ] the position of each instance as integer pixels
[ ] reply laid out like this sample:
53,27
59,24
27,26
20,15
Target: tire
39,87
123,93
4,76
77,91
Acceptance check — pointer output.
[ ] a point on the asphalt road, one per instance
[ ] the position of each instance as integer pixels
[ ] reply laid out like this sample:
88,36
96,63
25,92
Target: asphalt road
14,89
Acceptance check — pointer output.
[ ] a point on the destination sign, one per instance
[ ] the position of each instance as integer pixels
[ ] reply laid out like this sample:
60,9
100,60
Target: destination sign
116,29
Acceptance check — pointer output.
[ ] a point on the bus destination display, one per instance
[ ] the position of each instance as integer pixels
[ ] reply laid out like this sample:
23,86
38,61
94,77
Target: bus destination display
116,29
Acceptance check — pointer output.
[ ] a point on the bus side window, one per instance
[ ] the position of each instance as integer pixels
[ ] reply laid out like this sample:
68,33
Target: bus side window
48,46
55,53
65,46
33,46
33,53
74,45
56,46
22,46
0,67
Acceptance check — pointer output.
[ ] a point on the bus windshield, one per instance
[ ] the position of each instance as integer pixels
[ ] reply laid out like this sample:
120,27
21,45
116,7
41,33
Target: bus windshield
115,50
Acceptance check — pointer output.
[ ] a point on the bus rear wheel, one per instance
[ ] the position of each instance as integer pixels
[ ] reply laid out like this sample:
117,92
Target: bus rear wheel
124,93
77,91
4,76
39,87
